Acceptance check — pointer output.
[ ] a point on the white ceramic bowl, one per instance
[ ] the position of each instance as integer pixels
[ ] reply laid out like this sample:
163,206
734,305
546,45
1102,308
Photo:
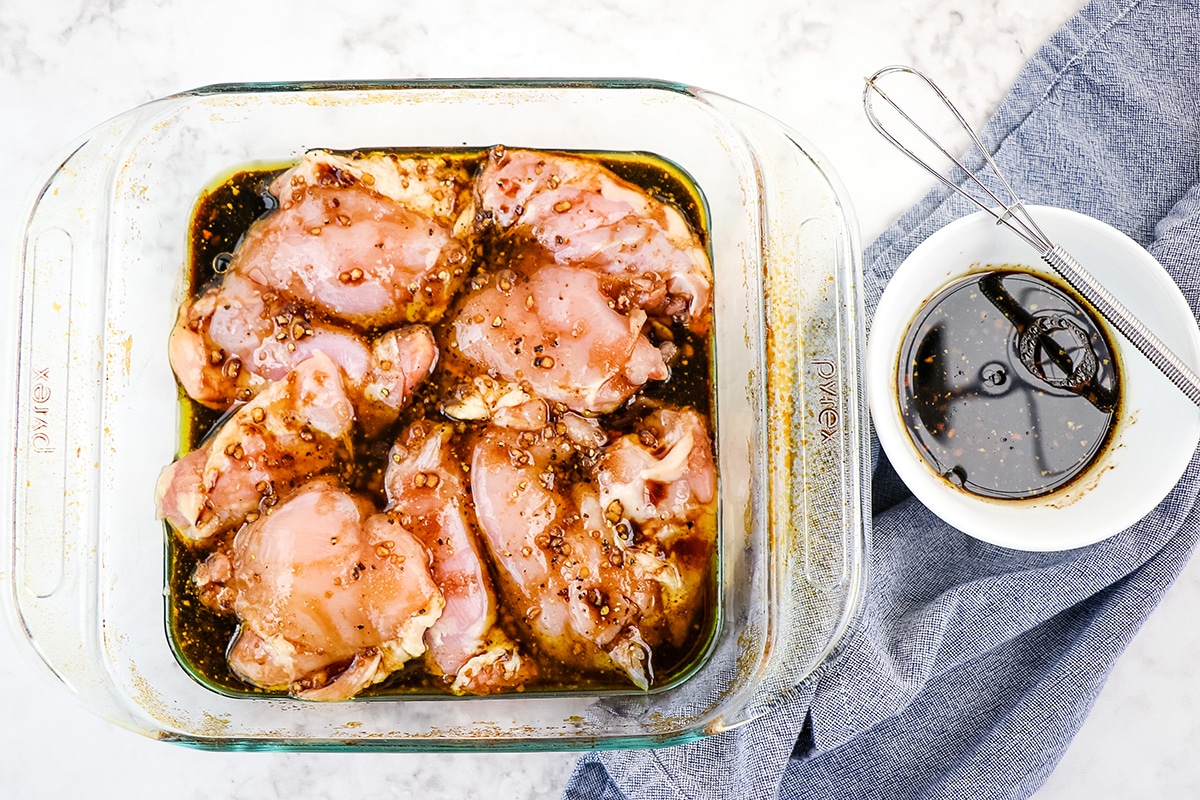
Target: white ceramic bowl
1156,429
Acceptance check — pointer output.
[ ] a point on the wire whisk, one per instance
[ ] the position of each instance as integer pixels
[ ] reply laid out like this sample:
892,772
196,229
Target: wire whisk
1010,211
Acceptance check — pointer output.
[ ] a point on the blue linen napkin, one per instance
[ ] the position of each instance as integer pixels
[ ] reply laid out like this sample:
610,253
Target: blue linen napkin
973,666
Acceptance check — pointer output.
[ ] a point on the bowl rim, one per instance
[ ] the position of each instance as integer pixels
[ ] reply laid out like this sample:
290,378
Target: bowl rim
1081,513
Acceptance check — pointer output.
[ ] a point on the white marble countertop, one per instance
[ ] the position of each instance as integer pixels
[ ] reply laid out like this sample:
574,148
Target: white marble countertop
69,64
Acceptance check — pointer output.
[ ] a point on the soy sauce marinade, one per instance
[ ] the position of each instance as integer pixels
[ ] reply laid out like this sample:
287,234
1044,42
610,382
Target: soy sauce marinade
222,215
1008,386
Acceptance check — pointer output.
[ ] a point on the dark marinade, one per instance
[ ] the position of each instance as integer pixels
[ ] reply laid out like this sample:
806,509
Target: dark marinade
200,636
1008,386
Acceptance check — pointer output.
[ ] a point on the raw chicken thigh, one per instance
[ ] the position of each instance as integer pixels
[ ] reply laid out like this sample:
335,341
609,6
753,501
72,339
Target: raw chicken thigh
332,597
235,339
596,588
554,331
428,494
588,261
295,429
339,244
357,243
583,215
659,484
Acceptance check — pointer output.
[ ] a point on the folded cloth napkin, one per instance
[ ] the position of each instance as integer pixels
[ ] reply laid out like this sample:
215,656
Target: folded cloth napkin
972,666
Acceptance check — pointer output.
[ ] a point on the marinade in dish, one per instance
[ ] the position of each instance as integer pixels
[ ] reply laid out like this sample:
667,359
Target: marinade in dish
502,478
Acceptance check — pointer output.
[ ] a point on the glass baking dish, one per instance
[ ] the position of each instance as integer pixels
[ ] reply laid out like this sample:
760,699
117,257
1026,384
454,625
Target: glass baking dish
97,416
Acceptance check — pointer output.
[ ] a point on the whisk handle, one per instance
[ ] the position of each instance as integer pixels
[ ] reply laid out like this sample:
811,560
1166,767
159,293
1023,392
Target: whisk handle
1129,326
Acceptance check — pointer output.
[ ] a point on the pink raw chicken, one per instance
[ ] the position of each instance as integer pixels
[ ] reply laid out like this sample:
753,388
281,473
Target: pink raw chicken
598,544
235,339
554,331
293,430
332,597
598,590
428,494
642,250
660,485
373,242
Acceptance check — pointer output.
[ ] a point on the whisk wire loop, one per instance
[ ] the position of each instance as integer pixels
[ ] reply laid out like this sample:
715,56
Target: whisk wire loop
1009,212
1013,215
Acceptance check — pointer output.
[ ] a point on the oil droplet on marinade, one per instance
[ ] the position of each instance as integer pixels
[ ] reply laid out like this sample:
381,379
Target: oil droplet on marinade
1008,387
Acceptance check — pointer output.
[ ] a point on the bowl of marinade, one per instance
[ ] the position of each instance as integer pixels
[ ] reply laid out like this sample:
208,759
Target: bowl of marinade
438,416
1008,405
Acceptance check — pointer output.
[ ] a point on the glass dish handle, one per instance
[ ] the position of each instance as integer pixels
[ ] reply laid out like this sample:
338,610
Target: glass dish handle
817,445
51,553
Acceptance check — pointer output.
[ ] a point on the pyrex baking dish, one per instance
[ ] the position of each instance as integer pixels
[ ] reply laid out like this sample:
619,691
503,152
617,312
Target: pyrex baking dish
96,408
